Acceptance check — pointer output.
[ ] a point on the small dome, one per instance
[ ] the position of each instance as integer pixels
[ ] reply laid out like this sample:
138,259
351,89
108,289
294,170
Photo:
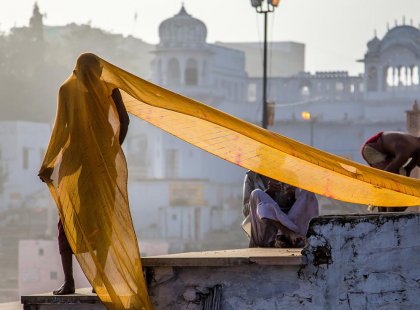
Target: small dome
182,30
374,45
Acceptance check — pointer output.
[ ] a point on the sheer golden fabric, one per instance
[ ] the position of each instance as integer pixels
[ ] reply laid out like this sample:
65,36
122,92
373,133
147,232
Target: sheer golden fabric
89,173
88,180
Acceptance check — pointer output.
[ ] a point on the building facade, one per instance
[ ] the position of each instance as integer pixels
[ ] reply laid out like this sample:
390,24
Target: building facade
22,148
341,111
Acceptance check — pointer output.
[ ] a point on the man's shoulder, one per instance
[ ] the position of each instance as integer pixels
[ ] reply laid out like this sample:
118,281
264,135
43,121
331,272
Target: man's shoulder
67,85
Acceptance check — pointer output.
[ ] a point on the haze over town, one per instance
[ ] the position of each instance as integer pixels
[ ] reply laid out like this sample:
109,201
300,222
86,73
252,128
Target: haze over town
335,32
181,198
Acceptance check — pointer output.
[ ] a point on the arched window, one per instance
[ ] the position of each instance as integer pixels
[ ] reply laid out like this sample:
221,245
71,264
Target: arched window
339,86
415,75
396,77
191,72
305,91
252,92
390,77
372,82
173,72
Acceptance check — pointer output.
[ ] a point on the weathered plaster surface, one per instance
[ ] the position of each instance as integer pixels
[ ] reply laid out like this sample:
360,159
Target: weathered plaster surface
353,262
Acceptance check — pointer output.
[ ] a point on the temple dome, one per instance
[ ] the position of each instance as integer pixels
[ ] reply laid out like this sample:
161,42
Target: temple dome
405,35
182,30
402,32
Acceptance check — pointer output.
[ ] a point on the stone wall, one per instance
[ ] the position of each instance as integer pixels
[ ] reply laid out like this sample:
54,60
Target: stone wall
352,262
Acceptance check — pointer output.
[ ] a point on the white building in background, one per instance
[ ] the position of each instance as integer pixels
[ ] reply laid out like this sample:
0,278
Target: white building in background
186,187
285,58
182,210
40,269
344,110
22,148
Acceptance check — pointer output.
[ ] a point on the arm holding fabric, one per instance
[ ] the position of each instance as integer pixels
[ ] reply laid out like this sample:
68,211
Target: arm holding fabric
122,114
59,138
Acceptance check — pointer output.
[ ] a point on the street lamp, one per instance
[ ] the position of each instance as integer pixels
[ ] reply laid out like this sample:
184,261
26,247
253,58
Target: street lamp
265,8
306,116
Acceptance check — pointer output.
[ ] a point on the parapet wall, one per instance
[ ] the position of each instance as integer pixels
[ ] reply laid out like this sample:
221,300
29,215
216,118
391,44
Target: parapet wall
350,262
364,261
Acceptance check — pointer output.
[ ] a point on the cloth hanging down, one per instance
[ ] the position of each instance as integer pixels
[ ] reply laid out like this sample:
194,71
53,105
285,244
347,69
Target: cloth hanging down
87,175
88,171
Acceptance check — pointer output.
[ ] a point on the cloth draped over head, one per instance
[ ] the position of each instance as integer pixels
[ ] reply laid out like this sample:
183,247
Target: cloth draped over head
372,156
88,171
88,175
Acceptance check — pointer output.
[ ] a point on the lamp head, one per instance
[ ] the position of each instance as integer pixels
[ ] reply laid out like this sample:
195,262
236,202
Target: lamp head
306,115
256,3
274,2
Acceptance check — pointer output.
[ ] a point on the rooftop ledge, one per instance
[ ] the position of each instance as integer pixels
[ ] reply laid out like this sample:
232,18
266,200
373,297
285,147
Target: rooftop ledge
82,299
351,262
260,256
222,258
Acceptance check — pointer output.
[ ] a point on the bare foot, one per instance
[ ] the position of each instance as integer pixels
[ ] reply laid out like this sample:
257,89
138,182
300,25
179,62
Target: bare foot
297,241
65,289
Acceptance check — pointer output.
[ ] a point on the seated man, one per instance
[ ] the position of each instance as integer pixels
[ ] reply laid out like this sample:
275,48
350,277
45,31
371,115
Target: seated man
392,151
279,213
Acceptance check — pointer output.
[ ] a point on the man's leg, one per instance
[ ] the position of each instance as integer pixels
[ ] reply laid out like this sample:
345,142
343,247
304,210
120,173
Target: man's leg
67,262
263,231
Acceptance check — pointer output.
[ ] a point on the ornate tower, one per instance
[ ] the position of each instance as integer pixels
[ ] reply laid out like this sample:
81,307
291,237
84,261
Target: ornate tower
181,61
392,64
36,24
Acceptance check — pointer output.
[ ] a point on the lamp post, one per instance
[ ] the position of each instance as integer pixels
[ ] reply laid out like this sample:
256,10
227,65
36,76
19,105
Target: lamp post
312,119
263,7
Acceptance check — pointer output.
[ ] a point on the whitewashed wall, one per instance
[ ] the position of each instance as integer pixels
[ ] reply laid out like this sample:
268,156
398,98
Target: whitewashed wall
353,262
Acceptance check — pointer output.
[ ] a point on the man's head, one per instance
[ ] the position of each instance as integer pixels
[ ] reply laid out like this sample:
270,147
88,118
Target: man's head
88,68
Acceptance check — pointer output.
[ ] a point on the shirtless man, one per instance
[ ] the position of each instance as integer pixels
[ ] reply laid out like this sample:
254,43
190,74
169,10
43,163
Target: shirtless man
395,149
392,151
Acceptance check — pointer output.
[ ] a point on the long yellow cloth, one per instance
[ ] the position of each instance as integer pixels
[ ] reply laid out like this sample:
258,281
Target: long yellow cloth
86,173
88,170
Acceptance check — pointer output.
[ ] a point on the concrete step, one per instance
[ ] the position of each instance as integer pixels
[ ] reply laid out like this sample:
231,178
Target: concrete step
82,299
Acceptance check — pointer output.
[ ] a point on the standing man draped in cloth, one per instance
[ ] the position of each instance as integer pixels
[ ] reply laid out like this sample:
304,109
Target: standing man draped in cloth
76,124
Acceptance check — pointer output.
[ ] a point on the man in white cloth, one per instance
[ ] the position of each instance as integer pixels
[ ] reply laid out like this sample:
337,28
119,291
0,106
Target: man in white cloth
279,213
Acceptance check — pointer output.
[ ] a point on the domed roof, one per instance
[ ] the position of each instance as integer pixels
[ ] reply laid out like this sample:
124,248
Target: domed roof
405,35
182,30
402,32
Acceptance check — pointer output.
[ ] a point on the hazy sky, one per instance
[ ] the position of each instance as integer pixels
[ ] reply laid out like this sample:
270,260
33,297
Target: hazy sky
335,31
